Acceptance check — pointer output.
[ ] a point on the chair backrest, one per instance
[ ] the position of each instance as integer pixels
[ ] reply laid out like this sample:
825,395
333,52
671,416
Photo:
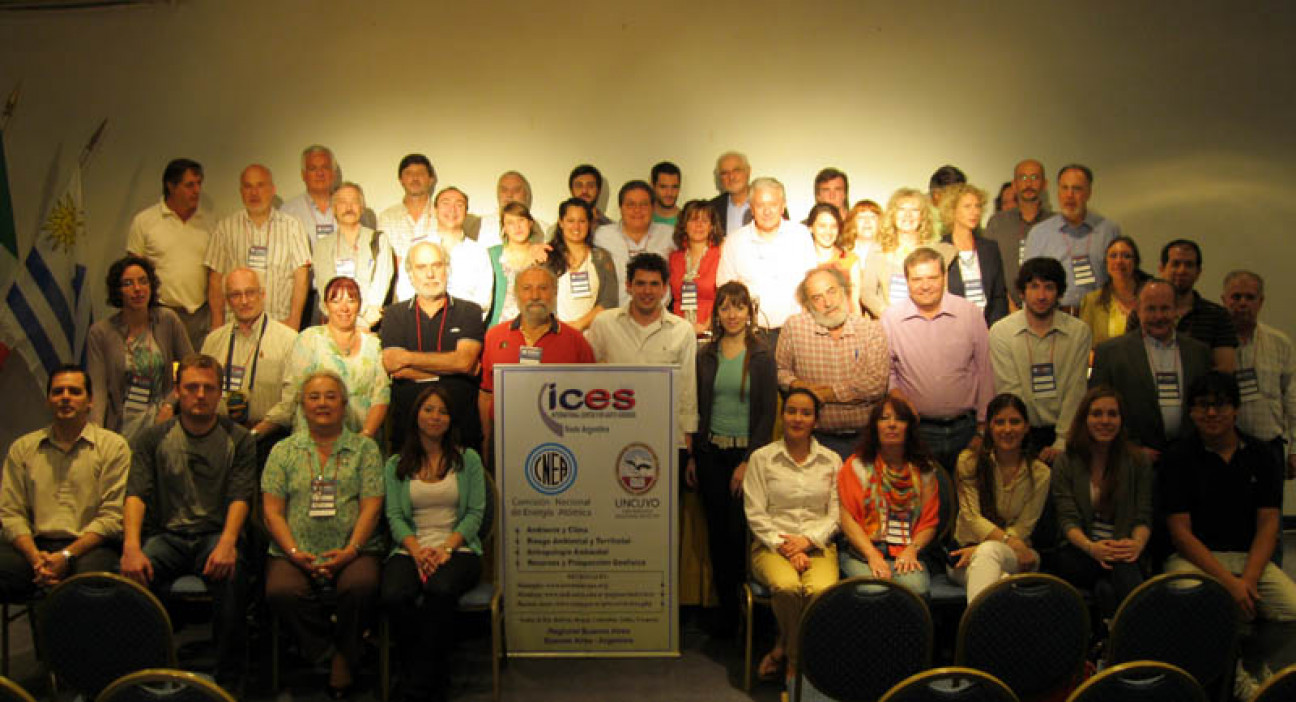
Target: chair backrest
96,627
1140,681
487,531
1186,619
1030,631
1280,688
861,636
951,684
949,505
10,691
163,685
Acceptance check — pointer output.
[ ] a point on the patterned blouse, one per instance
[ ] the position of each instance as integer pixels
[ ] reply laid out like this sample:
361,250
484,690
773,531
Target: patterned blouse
367,383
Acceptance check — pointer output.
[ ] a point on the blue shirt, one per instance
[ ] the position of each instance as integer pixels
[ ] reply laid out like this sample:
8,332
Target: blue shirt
1057,238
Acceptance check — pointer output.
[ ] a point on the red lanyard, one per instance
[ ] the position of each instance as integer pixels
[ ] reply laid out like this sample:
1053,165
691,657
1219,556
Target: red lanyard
418,323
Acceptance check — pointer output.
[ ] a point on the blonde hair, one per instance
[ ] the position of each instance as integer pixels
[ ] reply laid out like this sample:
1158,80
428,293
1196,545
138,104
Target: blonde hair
950,197
888,237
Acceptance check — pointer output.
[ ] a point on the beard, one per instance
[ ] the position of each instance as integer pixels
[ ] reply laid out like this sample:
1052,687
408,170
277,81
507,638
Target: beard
830,319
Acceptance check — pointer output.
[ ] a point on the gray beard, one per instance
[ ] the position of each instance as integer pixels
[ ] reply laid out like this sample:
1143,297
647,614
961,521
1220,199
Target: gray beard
830,320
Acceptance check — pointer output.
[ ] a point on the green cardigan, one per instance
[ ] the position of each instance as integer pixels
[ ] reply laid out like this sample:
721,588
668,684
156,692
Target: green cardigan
472,503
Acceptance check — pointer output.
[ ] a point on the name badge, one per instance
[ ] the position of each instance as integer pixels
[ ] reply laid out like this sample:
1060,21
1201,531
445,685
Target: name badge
323,230
897,528
235,375
899,289
139,391
1021,252
689,296
1248,384
580,284
346,267
323,498
530,355
1083,270
1168,389
1101,530
257,257
974,292
1043,381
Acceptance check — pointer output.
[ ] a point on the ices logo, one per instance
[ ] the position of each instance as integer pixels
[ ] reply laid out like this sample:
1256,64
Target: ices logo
550,399
551,468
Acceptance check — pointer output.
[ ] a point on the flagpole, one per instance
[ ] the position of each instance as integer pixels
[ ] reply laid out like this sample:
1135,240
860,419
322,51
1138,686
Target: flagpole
10,105
92,144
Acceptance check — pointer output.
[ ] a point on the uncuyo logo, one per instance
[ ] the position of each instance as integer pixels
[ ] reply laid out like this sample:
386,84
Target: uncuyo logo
551,399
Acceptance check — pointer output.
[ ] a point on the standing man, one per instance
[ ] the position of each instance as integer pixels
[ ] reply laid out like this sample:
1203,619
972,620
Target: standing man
1041,354
733,176
1076,237
841,357
472,277
511,187
636,233
322,175
61,494
1010,227
586,183
174,234
1203,320
940,358
192,481
666,189
1152,368
267,241
432,338
1265,370
832,187
411,220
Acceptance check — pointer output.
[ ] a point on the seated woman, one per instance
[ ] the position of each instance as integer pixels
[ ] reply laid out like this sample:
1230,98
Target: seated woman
587,278
322,493
338,346
357,252
790,498
1102,488
129,356
515,255
1001,493
436,499
693,264
890,500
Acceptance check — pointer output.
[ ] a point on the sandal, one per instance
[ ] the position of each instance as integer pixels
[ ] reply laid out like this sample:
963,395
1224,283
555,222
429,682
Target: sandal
770,667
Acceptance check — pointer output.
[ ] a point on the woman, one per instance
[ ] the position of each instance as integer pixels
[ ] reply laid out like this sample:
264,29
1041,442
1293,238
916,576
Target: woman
737,396
890,500
977,272
1001,493
825,225
790,499
587,277
342,348
1107,309
693,264
322,493
355,252
1006,199
510,258
130,354
1102,487
906,225
436,499
859,232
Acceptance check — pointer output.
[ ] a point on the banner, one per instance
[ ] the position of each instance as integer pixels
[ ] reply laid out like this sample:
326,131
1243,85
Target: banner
589,516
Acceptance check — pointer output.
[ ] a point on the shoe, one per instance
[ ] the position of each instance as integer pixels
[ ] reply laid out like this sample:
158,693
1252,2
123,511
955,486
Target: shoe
337,692
770,668
1244,685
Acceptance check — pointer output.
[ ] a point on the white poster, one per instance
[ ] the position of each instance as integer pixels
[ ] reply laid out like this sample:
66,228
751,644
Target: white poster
586,463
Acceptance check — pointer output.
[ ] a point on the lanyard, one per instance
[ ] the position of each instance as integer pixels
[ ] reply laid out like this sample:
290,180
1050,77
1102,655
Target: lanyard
1030,347
256,353
418,323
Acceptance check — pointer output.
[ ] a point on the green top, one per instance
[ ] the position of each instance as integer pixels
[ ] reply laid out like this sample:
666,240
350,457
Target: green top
730,415
468,514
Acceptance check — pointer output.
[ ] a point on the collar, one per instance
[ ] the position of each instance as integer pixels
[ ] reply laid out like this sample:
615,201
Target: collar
256,323
666,319
86,435
302,439
909,308
1023,322
816,452
847,328
1091,220
274,214
1152,341
516,324
449,303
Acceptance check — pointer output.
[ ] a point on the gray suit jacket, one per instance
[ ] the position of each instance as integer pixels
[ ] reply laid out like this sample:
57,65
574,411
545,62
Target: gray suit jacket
1122,363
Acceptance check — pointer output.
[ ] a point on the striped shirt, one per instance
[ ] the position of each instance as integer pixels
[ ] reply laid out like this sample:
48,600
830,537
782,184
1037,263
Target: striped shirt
275,250
405,231
1272,412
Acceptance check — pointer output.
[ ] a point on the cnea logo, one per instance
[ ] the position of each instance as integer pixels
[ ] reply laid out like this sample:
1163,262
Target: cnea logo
552,399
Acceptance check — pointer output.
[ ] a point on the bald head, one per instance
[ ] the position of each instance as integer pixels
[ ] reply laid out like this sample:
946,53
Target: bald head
1029,182
257,188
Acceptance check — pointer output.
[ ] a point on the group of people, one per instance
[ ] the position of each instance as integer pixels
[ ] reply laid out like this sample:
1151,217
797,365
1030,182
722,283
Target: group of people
829,373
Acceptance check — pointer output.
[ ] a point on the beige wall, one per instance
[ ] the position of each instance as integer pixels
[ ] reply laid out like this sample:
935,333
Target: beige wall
1185,114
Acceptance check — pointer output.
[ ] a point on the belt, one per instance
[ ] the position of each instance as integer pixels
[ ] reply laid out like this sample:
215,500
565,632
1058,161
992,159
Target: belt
947,421
728,442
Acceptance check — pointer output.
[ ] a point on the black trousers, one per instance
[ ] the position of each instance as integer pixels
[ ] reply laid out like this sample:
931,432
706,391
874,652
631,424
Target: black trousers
422,617
726,522
16,573
1110,587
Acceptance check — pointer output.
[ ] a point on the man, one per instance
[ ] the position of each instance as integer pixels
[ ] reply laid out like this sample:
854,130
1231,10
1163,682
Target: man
642,331
255,350
832,187
1010,227
942,178
432,337
472,276
586,183
636,233
1222,492
192,481
267,241
1041,354
1265,370
314,208
770,256
410,220
838,355
940,358
1076,237
733,177
511,187
665,179
173,234
534,336
1151,368
61,494
1203,320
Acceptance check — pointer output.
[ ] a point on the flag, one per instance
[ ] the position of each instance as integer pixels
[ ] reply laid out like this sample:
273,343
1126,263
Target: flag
8,238
47,311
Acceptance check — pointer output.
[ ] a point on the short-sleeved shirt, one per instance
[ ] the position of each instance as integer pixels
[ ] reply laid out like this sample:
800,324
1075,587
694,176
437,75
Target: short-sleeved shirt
355,464
1221,498
176,247
186,481
504,342
1206,321
274,250
367,383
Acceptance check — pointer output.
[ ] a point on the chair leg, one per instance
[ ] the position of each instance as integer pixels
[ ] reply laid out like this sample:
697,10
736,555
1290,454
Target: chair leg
497,652
748,608
4,639
274,654
384,657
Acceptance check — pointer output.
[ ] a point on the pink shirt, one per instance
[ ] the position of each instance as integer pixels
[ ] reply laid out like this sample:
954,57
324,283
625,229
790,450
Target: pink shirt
941,364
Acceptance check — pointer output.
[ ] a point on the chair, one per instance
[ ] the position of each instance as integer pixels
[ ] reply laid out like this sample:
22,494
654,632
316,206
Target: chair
1280,688
11,692
96,627
11,612
860,637
950,685
944,593
1029,630
1185,619
754,593
484,597
163,685
1140,681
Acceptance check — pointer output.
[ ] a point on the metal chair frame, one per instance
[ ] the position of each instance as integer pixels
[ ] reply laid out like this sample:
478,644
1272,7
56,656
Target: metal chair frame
949,673
124,684
1094,684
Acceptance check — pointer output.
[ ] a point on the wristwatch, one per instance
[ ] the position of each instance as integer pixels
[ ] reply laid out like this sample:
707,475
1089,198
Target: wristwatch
67,556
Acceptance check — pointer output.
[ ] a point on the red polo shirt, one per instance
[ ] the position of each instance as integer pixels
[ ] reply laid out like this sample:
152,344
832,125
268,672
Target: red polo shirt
504,342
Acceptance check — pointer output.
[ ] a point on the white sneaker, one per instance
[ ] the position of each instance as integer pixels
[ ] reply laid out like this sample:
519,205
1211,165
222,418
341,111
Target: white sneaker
1245,686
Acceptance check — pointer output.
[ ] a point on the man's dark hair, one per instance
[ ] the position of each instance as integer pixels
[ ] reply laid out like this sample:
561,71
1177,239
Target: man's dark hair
416,160
944,176
175,172
1088,173
65,369
665,167
831,173
650,262
586,169
1216,384
1043,268
1187,243
631,186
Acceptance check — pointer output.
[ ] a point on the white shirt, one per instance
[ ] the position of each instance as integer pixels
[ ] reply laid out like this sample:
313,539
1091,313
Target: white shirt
471,274
271,360
781,497
570,307
613,239
617,338
770,268
176,249
283,247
